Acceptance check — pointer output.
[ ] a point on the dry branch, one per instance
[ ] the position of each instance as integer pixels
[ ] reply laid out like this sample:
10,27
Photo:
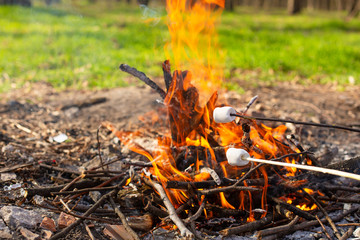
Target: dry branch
248,227
172,213
46,191
274,230
66,230
228,189
143,77
295,210
312,223
123,219
167,74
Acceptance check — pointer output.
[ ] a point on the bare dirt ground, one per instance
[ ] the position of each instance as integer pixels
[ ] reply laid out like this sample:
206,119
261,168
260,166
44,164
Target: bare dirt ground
31,117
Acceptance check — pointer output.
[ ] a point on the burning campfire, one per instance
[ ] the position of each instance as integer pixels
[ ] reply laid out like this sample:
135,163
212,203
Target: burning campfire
207,162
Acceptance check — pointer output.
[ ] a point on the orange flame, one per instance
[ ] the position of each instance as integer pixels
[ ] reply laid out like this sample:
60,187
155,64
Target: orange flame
303,206
193,44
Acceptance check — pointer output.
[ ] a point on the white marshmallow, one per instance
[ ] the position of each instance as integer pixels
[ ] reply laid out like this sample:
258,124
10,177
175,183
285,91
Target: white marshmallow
222,114
237,157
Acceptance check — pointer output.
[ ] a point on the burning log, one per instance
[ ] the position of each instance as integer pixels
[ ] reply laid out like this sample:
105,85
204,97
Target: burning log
226,212
293,209
211,183
167,74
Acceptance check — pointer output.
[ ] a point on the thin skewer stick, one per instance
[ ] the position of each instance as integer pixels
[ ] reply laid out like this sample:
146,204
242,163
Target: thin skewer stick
297,122
240,157
307,167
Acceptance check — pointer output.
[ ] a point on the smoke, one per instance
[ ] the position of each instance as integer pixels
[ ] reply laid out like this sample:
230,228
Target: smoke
150,15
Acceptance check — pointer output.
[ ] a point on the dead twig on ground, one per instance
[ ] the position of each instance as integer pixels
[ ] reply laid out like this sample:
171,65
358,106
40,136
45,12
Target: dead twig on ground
88,212
66,230
323,227
327,217
99,149
247,227
275,230
123,219
85,190
185,232
308,224
348,233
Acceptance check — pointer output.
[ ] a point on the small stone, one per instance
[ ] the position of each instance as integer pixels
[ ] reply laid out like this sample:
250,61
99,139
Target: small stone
49,224
65,220
38,200
46,234
162,234
16,217
4,231
116,231
356,233
60,138
8,176
28,235
7,148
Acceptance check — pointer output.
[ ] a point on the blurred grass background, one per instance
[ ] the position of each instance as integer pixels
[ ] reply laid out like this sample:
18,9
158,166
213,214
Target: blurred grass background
77,44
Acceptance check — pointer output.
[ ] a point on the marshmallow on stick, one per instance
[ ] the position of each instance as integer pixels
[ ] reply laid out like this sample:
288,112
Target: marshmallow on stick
223,114
240,157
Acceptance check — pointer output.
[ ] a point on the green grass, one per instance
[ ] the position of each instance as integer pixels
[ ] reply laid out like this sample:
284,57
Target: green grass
82,45
321,47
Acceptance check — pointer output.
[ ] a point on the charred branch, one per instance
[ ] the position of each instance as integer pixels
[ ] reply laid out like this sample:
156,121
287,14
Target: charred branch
278,229
211,183
144,78
167,74
155,211
228,189
46,192
122,218
292,208
308,224
66,230
225,212
248,227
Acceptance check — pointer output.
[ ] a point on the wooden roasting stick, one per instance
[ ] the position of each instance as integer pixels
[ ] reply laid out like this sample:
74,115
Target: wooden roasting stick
240,157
